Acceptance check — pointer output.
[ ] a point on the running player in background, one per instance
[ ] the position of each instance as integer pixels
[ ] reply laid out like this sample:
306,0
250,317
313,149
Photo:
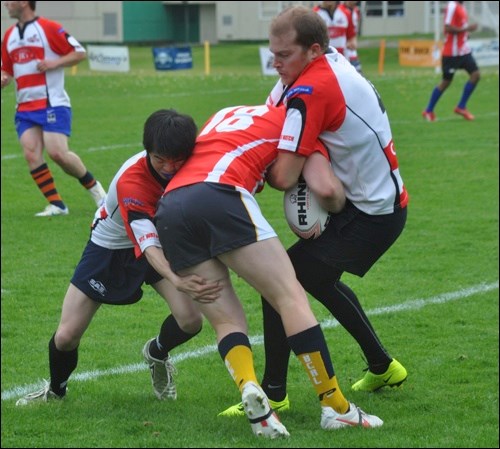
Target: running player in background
338,20
351,51
123,254
456,55
209,222
34,54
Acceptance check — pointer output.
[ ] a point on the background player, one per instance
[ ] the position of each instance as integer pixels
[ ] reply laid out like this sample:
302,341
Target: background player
456,55
34,53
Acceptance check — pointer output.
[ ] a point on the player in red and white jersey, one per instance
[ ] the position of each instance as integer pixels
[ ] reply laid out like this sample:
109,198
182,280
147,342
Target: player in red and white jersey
327,98
242,157
351,51
124,253
209,222
351,120
34,54
339,22
456,55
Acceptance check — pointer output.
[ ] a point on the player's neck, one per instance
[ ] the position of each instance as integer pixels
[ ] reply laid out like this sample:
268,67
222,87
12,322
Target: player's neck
27,17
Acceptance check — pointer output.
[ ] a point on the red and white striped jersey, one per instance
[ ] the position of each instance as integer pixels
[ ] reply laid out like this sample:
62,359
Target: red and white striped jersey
332,101
236,146
23,48
126,218
455,44
340,26
356,18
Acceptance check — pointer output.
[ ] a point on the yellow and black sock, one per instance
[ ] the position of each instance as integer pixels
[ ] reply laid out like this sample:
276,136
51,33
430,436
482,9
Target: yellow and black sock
312,351
236,352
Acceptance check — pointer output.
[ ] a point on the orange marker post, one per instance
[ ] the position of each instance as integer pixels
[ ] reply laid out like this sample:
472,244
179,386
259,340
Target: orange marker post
381,57
207,58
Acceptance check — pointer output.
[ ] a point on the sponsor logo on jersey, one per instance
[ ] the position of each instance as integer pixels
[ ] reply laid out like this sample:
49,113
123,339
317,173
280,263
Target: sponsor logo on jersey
307,90
130,201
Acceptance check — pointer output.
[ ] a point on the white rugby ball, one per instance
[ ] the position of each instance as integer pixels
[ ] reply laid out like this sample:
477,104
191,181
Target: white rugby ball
306,218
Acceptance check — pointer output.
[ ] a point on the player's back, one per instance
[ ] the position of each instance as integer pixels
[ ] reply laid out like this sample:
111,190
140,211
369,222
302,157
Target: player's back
234,147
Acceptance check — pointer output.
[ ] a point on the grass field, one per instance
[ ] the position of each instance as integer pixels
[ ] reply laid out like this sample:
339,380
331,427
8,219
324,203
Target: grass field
433,297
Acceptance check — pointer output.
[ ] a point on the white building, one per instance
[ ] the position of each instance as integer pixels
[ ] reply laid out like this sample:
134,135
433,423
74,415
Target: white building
216,21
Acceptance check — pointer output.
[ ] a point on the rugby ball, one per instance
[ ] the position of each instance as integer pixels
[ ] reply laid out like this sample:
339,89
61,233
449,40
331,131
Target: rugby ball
306,218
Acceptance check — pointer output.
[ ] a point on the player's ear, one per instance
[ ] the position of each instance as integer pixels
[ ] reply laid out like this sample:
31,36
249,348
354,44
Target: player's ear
316,50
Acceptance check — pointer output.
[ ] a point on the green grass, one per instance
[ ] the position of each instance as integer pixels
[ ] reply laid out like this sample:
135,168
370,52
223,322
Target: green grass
433,297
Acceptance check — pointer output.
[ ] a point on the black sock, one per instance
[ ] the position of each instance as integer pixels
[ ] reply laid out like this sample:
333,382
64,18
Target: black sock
62,364
171,336
277,354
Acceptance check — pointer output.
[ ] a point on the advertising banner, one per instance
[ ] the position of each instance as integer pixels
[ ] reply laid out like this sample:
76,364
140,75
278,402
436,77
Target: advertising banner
108,58
172,58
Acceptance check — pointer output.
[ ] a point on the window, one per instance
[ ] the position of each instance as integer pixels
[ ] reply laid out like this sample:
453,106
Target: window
385,9
373,9
395,9
110,24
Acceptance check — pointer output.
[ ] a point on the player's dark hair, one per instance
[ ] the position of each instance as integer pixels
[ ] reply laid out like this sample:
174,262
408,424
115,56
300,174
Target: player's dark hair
170,134
32,5
308,25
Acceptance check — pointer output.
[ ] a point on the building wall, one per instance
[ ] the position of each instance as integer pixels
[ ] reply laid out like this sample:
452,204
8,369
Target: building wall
87,21
213,21
146,22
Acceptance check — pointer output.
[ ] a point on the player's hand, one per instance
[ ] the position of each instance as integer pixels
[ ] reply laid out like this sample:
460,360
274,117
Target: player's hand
198,288
473,27
5,80
45,65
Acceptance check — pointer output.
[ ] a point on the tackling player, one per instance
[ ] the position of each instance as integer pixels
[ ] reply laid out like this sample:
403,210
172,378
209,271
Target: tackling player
124,253
209,222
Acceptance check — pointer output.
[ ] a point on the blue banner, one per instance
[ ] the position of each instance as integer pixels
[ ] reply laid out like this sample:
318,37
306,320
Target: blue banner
172,58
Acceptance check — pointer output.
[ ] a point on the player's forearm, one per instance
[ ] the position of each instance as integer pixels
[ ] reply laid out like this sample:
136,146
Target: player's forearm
157,260
319,176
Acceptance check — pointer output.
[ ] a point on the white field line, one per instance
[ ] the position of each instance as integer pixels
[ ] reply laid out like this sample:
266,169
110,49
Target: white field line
413,304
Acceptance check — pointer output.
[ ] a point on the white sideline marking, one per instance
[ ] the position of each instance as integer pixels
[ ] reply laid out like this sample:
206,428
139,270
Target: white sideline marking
413,304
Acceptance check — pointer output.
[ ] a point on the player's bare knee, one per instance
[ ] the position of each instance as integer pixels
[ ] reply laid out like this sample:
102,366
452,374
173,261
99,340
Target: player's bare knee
190,324
66,339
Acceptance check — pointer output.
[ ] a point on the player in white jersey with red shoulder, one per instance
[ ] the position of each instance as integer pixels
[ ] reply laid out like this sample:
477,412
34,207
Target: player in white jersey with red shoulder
35,52
456,55
124,253
340,25
326,98
351,52
209,223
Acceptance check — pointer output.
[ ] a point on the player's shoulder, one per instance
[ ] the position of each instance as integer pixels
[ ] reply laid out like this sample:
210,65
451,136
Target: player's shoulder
8,32
48,24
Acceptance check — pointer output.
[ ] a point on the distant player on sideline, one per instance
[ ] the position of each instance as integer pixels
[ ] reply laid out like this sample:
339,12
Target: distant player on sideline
124,253
456,55
34,54
351,51
339,22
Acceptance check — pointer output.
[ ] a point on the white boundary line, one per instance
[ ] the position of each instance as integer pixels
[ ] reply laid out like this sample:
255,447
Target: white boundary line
409,305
